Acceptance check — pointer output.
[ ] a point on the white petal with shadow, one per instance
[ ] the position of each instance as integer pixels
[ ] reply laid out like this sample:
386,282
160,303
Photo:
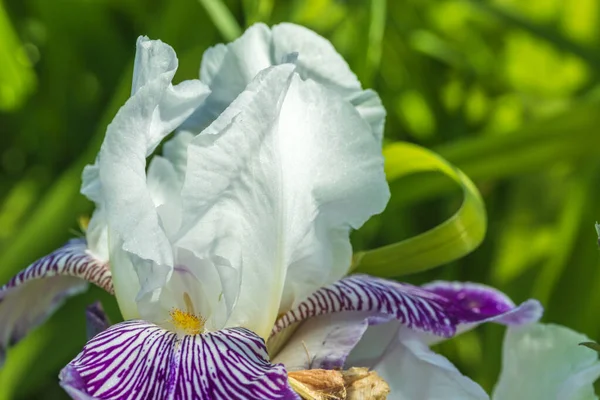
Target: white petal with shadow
274,186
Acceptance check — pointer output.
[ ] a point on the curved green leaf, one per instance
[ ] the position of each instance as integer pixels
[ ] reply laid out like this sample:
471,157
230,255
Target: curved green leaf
452,239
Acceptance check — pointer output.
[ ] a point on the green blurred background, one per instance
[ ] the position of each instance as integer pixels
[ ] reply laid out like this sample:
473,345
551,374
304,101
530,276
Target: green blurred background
506,90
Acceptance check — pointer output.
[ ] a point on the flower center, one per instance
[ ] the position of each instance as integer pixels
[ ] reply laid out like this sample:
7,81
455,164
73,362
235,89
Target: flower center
187,321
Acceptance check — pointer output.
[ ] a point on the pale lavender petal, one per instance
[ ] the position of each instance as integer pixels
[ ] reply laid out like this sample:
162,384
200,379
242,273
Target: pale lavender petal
482,303
31,296
415,372
73,384
96,320
138,360
325,341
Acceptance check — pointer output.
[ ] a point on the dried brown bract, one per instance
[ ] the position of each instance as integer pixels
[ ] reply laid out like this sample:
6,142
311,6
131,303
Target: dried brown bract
352,384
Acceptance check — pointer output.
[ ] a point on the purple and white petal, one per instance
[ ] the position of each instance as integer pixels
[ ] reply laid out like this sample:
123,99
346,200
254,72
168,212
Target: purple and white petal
96,320
32,295
338,316
415,307
437,308
480,303
137,360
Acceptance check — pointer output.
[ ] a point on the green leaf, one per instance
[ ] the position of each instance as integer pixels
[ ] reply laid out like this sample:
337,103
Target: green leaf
223,19
17,79
569,223
567,137
545,32
592,345
258,10
452,239
376,31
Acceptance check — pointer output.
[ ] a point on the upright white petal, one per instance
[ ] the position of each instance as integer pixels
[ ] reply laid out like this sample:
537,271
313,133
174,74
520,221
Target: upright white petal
227,69
317,58
117,182
272,188
155,109
544,362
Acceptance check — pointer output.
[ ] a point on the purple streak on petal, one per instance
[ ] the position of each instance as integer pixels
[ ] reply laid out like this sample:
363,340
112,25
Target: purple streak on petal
96,320
137,360
480,303
32,295
338,315
437,308
70,260
416,308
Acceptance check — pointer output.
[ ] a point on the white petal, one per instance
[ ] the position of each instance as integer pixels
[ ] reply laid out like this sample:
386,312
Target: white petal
163,181
155,109
175,150
544,361
210,283
274,186
227,69
90,183
414,372
125,280
97,235
369,106
317,58
327,151
164,185
231,68
373,344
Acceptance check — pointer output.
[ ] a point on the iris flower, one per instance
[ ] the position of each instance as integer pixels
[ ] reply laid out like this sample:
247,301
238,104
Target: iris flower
229,253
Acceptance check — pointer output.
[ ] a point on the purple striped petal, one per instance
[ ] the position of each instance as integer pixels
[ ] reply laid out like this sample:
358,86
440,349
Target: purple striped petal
416,308
482,303
441,309
37,291
138,360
